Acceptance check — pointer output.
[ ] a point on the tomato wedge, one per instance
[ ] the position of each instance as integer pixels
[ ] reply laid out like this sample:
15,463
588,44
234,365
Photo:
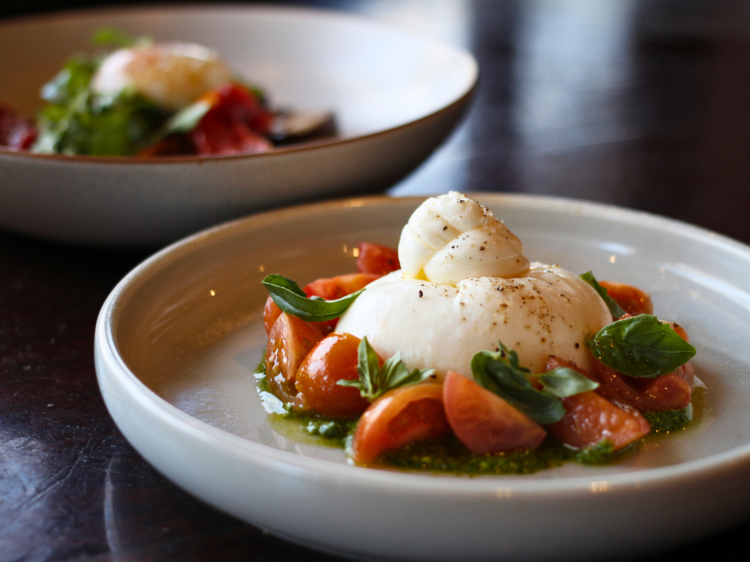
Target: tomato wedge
271,313
335,288
374,258
483,421
399,417
590,418
631,299
333,358
289,342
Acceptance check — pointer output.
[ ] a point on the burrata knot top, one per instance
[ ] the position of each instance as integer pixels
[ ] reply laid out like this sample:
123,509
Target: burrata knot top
451,237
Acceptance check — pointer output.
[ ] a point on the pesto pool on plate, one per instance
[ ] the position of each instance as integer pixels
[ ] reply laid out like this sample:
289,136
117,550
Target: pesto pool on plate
457,353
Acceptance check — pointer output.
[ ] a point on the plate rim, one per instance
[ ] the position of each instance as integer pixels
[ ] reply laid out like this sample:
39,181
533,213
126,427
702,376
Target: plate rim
463,54
713,466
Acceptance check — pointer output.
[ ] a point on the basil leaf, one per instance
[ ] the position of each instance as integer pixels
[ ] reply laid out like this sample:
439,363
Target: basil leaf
614,308
640,346
291,299
374,380
500,373
563,381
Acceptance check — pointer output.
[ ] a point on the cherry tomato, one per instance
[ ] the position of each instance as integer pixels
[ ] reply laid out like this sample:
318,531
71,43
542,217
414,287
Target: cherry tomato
335,288
665,392
399,417
374,258
338,287
271,313
590,418
631,299
680,331
334,358
289,342
483,421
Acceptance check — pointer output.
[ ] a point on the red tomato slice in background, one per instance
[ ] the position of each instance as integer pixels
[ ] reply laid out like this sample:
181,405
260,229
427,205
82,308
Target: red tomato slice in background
631,299
483,421
374,258
289,342
16,131
590,418
235,124
399,417
333,358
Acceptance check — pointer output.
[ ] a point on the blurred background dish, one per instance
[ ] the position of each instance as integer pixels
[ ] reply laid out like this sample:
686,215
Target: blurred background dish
395,98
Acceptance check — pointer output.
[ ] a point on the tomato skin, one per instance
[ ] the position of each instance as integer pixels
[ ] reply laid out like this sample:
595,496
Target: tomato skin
590,418
337,287
334,288
374,258
483,421
289,342
665,392
399,417
631,299
333,358
271,313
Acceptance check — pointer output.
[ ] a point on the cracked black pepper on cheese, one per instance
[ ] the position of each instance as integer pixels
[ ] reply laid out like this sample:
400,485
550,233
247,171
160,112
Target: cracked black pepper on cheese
465,283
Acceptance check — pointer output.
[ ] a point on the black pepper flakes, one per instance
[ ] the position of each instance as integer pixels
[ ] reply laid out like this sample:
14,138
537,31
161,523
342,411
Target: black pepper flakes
421,294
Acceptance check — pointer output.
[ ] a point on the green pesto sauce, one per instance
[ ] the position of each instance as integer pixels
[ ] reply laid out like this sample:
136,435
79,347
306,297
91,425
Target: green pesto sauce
449,455
669,421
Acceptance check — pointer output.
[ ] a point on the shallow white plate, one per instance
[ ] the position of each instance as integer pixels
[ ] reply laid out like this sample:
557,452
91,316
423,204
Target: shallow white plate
178,340
395,98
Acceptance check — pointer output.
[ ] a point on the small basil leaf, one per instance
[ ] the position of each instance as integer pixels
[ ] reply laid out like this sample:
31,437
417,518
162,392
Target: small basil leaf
640,346
291,299
499,372
614,308
563,381
374,380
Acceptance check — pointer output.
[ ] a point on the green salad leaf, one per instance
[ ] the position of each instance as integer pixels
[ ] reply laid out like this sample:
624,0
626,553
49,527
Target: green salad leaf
640,346
291,299
500,372
78,120
614,308
374,380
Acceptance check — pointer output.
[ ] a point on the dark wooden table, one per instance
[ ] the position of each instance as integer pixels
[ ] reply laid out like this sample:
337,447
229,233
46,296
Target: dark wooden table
640,104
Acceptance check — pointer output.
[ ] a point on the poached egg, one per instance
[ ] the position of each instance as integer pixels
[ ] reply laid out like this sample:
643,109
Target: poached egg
172,75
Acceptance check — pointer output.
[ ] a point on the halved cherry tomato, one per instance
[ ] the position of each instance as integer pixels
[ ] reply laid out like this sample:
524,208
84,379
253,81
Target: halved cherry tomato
333,358
590,418
374,258
399,417
335,288
631,299
680,331
665,392
289,342
271,313
483,421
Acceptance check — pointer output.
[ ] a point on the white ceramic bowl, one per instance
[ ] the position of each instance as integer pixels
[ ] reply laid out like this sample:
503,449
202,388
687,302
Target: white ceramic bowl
178,339
395,98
